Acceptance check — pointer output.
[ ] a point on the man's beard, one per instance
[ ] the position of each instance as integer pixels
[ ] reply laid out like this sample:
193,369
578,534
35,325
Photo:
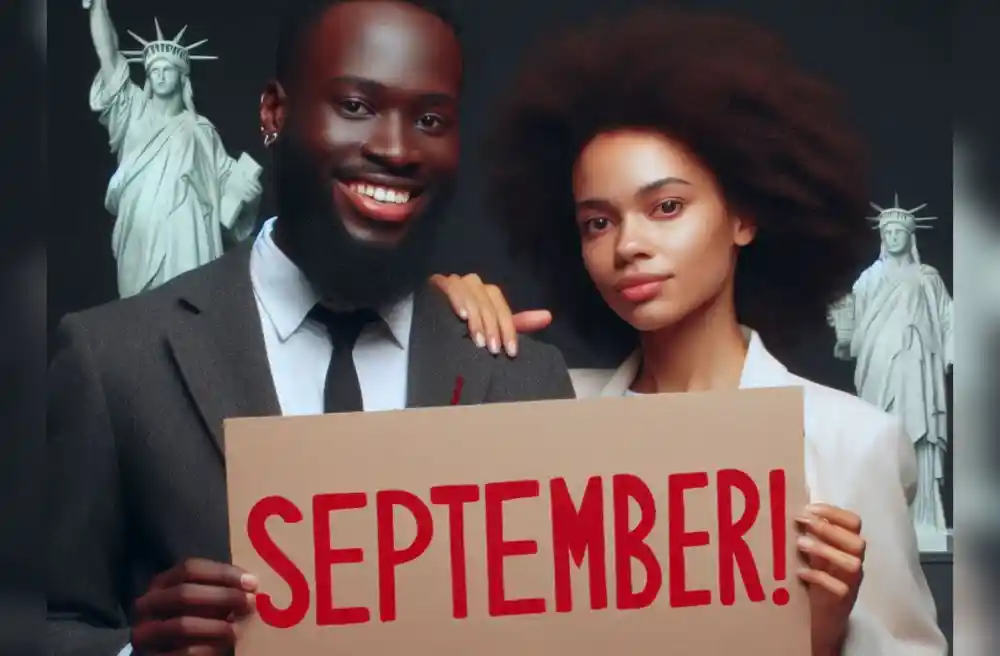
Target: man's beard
345,271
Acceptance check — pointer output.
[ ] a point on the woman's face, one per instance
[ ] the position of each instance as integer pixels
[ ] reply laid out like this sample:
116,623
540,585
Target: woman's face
657,237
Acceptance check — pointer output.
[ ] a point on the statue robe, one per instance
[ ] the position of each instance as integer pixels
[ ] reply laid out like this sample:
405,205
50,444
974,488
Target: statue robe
170,189
903,342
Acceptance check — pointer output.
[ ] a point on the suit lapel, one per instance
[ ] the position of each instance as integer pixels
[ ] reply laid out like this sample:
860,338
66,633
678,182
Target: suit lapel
440,352
219,348
218,345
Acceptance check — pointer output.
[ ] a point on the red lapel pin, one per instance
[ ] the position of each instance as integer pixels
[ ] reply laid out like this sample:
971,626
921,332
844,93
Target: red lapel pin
456,393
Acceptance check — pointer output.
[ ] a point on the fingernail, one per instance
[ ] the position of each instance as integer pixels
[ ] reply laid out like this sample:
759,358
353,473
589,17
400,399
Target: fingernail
249,582
802,519
480,340
494,346
463,313
512,348
813,508
805,542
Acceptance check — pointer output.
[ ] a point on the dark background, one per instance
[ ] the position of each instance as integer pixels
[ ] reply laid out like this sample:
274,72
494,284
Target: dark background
891,58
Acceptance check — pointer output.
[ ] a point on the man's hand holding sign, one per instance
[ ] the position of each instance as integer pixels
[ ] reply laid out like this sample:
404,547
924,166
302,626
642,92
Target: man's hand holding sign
534,528
192,609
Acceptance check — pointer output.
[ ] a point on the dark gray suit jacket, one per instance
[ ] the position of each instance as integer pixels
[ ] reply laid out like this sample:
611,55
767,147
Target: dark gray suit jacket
138,390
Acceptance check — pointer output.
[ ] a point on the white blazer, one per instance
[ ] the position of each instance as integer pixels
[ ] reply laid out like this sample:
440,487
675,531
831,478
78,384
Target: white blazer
857,458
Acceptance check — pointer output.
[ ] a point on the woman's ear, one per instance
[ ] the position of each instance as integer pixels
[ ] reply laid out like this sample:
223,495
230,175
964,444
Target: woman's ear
744,230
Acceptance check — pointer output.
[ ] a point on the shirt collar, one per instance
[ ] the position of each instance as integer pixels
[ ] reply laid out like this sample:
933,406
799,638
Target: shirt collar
287,296
760,368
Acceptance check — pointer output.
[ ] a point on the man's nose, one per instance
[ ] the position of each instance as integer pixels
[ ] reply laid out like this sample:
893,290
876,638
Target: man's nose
390,143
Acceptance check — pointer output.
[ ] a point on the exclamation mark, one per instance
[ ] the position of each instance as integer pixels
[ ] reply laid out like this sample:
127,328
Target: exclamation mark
779,534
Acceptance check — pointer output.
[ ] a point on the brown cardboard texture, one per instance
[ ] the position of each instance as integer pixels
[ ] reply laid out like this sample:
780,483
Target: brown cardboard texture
623,525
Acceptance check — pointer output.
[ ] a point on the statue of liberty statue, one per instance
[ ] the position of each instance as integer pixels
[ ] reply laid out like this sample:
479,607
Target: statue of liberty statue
175,189
897,324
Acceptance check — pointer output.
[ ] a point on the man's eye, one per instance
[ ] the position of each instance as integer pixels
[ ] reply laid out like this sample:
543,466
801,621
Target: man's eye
354,108
431,122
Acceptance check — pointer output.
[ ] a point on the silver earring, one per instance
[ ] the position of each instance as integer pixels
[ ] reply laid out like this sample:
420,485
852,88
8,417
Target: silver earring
270,138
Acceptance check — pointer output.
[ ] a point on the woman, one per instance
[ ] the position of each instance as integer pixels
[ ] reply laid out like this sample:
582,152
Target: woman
677,175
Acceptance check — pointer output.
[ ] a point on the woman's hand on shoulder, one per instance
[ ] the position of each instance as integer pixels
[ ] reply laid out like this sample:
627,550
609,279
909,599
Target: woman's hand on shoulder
485,310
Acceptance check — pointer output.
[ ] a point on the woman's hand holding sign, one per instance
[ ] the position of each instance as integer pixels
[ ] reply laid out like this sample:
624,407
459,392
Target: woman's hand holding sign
834,552
192,609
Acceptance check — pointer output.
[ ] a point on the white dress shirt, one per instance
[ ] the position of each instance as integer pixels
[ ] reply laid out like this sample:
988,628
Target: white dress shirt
299,348
857,458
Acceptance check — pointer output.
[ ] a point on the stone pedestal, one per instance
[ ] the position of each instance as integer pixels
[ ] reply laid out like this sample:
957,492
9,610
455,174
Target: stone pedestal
933,541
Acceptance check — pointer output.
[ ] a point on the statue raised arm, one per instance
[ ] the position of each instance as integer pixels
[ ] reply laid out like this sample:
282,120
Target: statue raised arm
102,32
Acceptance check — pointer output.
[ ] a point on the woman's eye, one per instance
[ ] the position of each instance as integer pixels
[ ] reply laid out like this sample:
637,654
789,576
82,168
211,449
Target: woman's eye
596,225
670,207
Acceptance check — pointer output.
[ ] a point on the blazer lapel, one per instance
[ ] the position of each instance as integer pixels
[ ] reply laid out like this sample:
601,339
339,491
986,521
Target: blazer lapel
621,379
441,354
760,368
595,383
219,349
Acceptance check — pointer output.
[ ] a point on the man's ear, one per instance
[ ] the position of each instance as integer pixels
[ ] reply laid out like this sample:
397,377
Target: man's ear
273,109
744,230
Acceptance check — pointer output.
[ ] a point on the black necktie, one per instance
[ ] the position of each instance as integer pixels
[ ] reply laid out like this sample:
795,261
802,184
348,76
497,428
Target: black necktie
343,390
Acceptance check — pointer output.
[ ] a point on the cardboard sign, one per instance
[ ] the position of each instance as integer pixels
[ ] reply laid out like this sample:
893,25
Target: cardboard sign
645,525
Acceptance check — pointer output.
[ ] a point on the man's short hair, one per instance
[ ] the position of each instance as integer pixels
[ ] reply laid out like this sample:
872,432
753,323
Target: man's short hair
299,15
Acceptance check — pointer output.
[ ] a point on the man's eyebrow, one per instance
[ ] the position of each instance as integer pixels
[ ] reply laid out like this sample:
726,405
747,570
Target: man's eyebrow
438,98
371,87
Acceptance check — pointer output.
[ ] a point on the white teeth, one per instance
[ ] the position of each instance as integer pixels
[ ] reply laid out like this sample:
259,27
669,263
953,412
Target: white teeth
381,194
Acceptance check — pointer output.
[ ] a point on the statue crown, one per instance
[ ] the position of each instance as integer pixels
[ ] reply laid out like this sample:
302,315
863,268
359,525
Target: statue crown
171,50
900,216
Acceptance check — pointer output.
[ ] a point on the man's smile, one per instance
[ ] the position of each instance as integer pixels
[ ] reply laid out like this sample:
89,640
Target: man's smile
384,202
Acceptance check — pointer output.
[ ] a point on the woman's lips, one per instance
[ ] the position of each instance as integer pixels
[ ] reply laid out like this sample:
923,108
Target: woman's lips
641,290
380,203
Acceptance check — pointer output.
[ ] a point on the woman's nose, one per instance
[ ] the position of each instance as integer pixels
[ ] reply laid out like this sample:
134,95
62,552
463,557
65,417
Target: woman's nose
633,239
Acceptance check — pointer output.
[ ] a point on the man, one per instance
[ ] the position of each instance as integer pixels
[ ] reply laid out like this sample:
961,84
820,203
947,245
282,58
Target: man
363,121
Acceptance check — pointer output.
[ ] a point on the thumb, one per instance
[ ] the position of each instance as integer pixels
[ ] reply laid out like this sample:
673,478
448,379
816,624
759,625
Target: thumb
532,321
